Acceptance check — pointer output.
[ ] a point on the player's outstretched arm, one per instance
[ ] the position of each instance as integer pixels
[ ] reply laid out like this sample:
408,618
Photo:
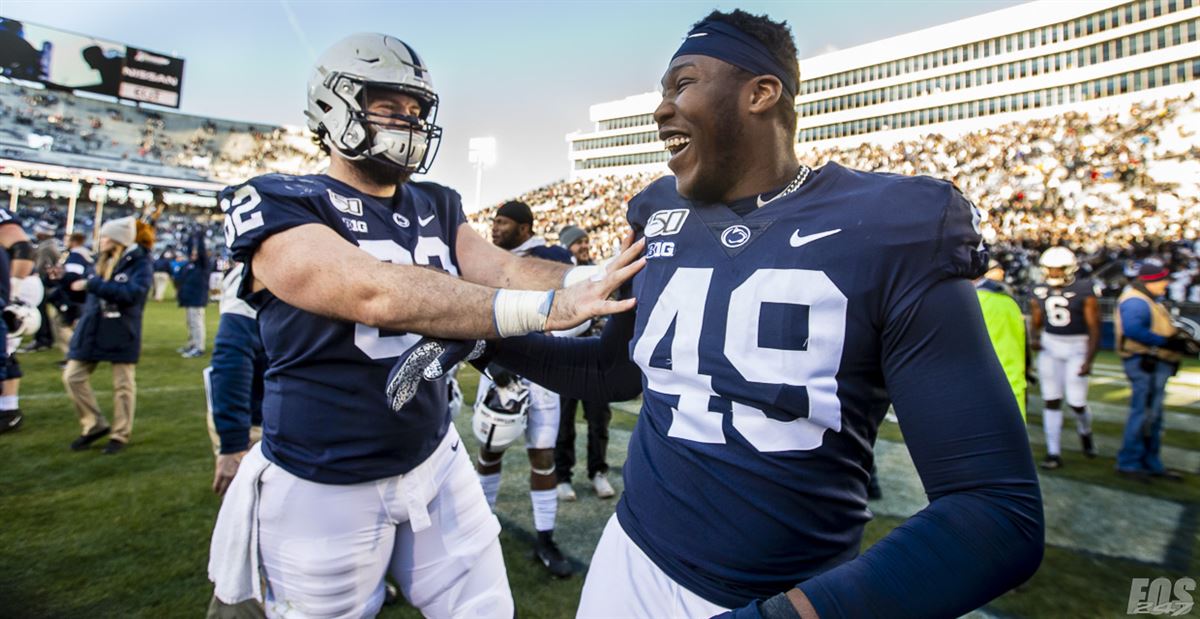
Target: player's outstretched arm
983,532
484,263
314,269
581,368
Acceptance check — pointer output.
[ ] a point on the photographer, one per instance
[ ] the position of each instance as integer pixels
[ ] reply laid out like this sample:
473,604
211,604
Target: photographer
110,329
1151,347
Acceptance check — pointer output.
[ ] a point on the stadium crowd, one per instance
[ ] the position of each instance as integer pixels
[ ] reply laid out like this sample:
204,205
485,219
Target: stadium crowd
1114,188
41,123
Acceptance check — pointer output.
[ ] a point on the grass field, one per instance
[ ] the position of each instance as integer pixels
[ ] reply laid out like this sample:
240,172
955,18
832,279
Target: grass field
88,535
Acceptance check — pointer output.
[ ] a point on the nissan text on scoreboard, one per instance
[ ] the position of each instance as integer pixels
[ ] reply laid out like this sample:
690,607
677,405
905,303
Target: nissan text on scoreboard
70,61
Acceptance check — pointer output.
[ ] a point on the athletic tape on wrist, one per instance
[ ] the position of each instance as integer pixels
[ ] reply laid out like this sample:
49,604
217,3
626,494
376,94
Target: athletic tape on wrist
517,312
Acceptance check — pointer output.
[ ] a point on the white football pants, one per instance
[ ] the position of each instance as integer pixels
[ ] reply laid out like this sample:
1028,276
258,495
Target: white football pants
623,582
1058,368
325,548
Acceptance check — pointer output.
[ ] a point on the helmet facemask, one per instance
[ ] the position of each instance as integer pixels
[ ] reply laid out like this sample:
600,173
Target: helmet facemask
1058,276
1058,266
399,142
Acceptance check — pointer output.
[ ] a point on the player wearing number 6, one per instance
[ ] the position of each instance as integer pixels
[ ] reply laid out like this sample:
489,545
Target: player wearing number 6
1066,334
344,269
782,311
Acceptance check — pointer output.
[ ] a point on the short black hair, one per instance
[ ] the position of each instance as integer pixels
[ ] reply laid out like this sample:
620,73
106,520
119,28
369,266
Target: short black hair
777,37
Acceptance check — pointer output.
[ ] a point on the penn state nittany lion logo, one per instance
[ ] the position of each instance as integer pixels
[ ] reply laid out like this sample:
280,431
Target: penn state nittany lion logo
735,236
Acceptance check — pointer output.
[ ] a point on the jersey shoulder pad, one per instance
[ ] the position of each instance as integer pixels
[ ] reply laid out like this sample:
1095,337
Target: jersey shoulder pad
660,195
269,204
435,190
1086,287
289,186
446,202
928,216
1041,292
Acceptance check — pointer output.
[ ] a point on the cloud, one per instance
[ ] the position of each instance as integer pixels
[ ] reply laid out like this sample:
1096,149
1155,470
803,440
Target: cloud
827,48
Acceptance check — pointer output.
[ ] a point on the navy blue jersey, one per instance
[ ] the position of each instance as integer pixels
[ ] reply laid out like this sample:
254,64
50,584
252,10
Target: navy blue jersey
1062,308
325,414
553,253
764,342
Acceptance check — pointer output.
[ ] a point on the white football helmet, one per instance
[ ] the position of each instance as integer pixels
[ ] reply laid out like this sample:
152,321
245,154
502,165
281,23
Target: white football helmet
28,290
500,416
337,95
1058,266
22,320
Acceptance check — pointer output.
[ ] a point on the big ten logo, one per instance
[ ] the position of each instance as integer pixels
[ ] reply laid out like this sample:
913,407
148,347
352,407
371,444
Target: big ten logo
660,249
355,225
1161,597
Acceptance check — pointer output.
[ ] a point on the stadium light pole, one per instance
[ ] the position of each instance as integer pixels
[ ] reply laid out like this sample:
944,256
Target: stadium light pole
71,203
103,185
16,189
482,153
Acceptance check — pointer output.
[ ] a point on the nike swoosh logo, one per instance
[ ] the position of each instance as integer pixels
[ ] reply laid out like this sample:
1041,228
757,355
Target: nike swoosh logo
424,220
799,241
454,447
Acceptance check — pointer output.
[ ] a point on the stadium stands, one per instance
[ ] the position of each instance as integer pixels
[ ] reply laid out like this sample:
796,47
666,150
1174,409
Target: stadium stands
63,129
1112,187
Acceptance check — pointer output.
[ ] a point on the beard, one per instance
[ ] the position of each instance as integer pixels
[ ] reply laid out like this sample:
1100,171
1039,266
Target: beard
507,241
722,170
381,173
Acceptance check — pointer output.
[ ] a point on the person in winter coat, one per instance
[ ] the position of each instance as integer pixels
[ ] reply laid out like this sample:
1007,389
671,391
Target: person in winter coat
110,329
192,286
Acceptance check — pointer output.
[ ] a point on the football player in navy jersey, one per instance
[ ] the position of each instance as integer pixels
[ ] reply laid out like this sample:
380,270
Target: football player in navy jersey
782,310
344,269
17,265
512,230
1065,317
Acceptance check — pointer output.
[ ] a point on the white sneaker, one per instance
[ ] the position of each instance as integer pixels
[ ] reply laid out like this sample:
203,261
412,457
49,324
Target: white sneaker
604,489
566,492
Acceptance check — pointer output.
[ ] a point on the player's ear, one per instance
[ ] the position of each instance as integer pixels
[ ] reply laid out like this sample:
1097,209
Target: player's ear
765,92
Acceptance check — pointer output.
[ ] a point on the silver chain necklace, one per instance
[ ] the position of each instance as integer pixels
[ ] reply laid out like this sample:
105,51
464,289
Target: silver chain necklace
801,177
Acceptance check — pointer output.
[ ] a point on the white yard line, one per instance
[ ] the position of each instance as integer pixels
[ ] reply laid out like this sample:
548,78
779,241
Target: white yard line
62,394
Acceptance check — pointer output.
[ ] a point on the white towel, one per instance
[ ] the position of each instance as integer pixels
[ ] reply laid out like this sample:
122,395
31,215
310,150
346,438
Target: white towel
233,562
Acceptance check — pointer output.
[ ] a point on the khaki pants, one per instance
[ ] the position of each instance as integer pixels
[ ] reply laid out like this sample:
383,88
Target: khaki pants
77,378
61,330
161,280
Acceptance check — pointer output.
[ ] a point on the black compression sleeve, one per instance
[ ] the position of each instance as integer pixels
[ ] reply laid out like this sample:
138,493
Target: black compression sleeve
588,368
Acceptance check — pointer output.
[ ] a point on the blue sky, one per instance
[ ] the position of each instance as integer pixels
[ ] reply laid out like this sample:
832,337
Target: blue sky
523,72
